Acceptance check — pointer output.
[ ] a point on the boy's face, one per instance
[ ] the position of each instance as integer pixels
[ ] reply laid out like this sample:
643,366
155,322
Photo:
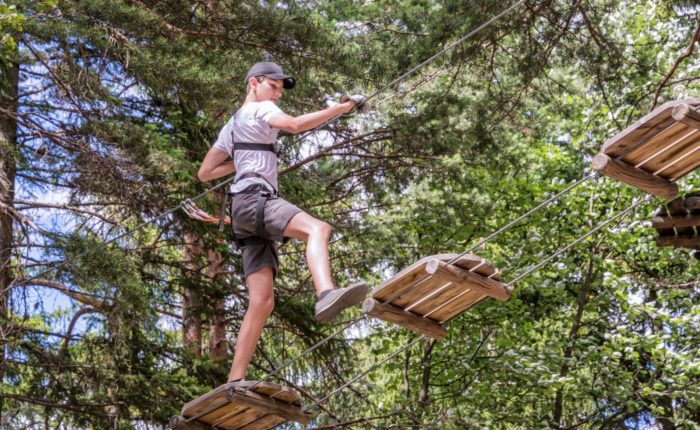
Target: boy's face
266,88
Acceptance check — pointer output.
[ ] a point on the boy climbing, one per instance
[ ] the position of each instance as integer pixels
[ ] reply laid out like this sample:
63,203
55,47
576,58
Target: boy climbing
259,217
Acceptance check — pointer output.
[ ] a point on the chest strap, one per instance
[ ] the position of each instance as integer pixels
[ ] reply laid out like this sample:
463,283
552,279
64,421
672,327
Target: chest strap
247,146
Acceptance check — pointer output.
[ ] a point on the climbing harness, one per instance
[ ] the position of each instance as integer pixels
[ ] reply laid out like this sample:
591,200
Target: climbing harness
263,192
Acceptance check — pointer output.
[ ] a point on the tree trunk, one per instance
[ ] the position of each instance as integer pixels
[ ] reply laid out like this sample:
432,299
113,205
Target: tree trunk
9,81
191,300
218,347
424,395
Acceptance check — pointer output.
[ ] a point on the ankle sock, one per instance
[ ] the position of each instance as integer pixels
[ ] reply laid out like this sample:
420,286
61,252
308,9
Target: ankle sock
324,294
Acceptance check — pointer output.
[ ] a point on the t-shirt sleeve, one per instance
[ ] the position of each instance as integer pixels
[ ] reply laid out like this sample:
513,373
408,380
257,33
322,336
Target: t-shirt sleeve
267,110
225,140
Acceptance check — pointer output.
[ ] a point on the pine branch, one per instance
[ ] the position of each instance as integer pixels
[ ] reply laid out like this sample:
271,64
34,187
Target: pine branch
688,52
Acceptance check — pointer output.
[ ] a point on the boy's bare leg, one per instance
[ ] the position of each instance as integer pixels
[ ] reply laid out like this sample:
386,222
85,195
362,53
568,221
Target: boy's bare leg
330,301
316,234
260,305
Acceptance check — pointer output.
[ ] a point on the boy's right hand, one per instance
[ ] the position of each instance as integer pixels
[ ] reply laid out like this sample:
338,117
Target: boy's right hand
359,102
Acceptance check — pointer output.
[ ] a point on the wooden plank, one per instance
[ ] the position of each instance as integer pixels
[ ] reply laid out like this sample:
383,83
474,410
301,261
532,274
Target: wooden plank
177,423
678,159
690,166
248,417
659,222
666,138
227,410
686,114
270,389
429,285
647,126
473,263
428,307
405,319
409,276
434,298
684,163
264,423
201,403
455,309
489,287
666,152
692,203
272,406
405,279
232,413
637,134
459,303
636,177
673,207
692,242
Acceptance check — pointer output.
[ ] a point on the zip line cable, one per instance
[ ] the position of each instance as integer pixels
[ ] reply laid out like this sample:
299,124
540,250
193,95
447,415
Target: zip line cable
307,350
365,372
521,217
579,240
423,64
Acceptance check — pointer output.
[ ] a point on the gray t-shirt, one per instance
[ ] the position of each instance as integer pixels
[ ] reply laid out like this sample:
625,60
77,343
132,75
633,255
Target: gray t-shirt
251,125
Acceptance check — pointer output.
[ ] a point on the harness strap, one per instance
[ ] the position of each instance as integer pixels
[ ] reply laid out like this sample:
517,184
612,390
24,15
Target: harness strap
260,236
260,215
248,146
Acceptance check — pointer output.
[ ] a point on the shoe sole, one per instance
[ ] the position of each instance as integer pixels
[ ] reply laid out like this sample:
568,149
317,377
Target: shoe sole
352,297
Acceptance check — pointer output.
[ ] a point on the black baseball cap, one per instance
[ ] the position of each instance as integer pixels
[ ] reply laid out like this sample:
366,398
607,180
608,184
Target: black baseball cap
271,70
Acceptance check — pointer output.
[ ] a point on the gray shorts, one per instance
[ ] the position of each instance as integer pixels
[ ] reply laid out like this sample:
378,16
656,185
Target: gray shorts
278,212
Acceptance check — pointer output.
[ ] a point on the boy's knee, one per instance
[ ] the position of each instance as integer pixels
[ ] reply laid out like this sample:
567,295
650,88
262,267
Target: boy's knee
323,229
262,305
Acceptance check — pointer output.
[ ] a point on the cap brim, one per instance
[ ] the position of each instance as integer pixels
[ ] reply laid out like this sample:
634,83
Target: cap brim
288,82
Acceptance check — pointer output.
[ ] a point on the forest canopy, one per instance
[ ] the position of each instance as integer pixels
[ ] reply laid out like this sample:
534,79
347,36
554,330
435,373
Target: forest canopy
116,308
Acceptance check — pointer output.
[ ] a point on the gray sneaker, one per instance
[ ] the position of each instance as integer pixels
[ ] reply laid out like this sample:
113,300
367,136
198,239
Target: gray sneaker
334,302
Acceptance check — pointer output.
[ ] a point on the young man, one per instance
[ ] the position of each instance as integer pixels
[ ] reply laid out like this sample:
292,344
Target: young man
259,218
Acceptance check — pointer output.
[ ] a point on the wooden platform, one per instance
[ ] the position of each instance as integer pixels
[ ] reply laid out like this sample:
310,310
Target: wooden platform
655,151
678,223
242,405
427,294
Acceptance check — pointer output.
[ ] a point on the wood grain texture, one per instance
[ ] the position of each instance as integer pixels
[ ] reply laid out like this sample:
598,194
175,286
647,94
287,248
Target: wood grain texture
691,242
677,221
636,177
403,318
247,403
646,127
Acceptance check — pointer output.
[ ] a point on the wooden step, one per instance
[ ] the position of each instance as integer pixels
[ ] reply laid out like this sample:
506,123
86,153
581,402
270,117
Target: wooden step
242,405
654,152
424,296
678,222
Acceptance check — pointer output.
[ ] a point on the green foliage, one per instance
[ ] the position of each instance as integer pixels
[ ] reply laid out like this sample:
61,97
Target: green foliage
10,24
126,97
